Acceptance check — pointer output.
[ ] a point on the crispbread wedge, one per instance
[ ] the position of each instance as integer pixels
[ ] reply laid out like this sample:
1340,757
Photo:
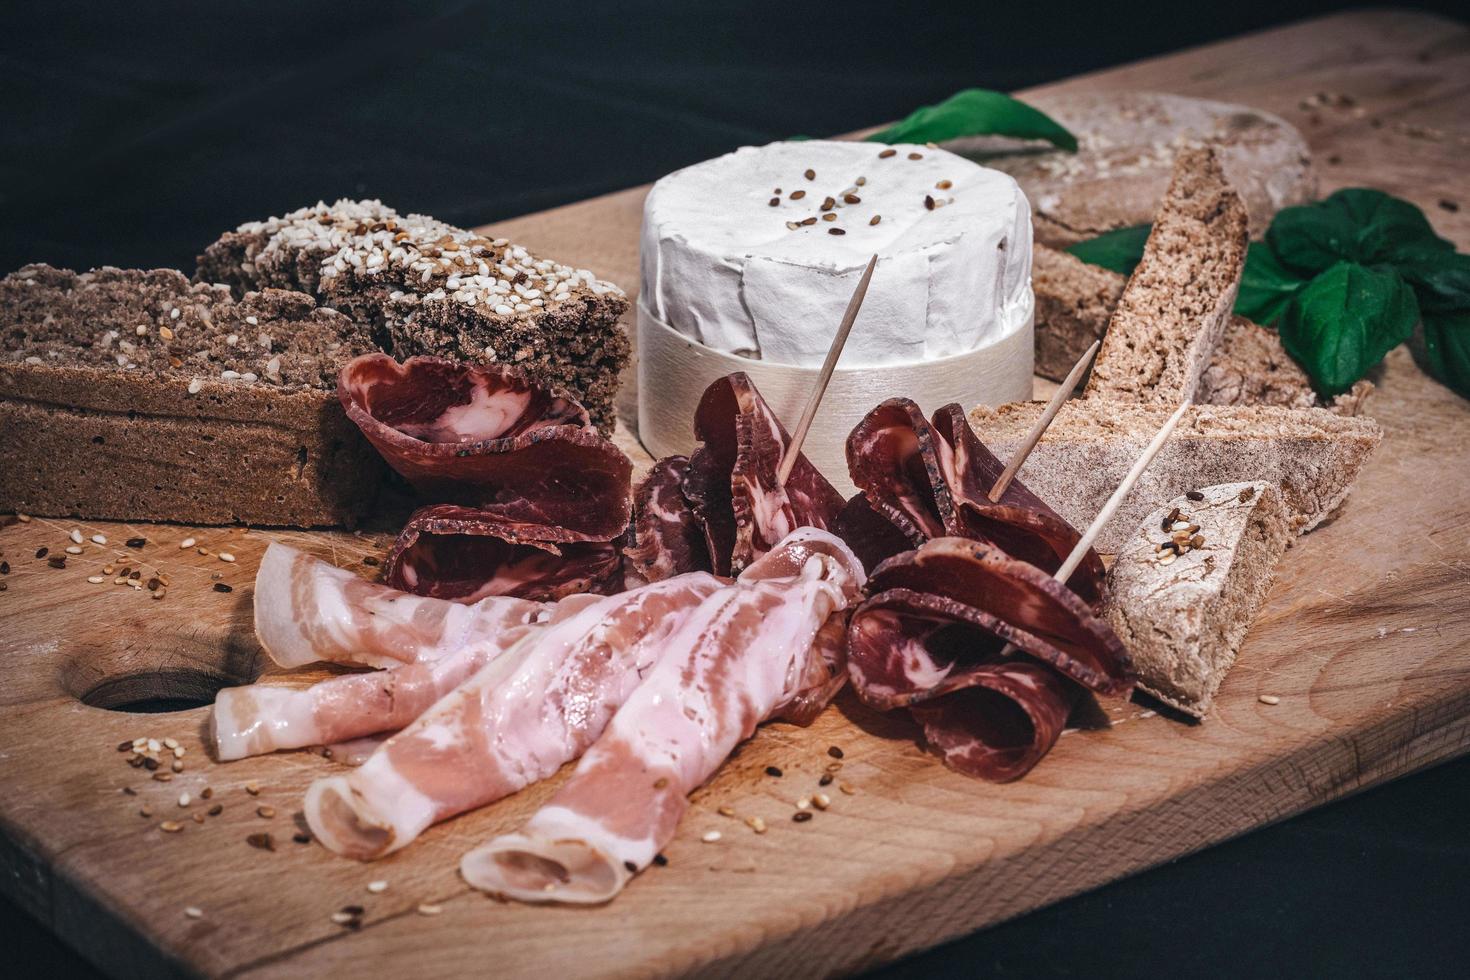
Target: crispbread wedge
1183,600
1178,300
1313,455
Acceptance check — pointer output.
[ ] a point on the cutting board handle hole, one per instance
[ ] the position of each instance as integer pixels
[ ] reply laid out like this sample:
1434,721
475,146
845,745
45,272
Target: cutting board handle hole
157,691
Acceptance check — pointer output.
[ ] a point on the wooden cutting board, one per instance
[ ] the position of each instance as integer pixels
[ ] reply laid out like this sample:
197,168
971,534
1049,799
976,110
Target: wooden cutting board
1364,641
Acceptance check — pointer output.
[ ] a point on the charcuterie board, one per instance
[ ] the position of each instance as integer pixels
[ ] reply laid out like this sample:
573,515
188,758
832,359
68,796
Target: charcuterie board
1357,671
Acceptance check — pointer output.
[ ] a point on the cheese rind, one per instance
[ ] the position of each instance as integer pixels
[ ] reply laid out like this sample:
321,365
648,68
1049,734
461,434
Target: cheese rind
721,264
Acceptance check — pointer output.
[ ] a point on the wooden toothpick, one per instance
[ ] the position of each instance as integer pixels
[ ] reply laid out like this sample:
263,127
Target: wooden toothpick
793,449
1018,458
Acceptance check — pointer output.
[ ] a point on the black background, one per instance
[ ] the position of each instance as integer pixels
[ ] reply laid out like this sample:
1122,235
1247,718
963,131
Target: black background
132,133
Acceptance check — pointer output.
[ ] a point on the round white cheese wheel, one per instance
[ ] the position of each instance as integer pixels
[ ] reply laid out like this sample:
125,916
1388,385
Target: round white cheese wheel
738,253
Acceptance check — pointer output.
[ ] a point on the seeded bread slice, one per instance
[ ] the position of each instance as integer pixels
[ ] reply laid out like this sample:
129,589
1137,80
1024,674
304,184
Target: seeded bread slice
425,287
1182,600
1074,301
1178,300
1311,454
137,395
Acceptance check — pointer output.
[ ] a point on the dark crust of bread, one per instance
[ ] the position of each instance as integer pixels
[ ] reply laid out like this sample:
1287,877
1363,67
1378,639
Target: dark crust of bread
165,434
576,342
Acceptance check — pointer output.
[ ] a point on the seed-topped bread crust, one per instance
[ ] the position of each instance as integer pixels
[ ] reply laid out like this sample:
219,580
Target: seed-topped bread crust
1178,300
138,395
1187,585
425,287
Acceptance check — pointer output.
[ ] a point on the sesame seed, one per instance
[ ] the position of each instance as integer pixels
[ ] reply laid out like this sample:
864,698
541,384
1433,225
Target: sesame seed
875,219
710,836
98,539
829,217
76,536
264,842
943,185
170,826
186,543
846,788
173,314
835,231
851,199
265,812
145,811
222,587
377,887
756,824
428,908
225,556
217,809
194,912
792,226
1269,699
928,203
887,153
828,204
809,221
73,549
916,156
821,801
23,518
343,918
798,195
801,816
825,779
773,771
804,803
165,333
726,811
253,321
774,202
810,174
185,799
140,330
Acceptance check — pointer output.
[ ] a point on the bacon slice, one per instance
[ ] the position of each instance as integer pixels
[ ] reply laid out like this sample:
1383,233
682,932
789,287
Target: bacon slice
932,636
466,554
931,479
731,481
307,610
743,657
665,538
529,495
526,713
261,718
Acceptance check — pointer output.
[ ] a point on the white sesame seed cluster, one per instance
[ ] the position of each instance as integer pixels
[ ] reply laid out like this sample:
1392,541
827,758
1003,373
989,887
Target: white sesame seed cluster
433,260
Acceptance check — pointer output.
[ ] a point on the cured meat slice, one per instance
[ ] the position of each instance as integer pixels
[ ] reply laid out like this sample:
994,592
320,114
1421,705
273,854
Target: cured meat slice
521,717
665,538
466,554
308,610
261,718
931,479
932,637
870,535
742,657
731,480
485,436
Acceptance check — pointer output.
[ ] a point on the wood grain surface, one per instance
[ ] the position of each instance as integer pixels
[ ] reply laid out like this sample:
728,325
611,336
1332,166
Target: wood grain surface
1363,640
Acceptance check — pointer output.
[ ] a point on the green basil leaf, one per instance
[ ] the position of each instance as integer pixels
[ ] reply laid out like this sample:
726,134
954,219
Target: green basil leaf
1442,349
1345,320
1441,279
1119,249
977,112
1266,286
1356,224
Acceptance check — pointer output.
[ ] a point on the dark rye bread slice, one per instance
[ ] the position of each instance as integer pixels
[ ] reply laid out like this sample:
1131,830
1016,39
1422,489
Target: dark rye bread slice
1178,299
425,287
1312,455
138,395
1074,301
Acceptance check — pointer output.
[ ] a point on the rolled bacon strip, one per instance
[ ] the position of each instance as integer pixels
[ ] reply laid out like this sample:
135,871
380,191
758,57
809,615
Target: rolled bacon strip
531,709
308,610
528,495
932,638
743,657
261,718
931,479
731,484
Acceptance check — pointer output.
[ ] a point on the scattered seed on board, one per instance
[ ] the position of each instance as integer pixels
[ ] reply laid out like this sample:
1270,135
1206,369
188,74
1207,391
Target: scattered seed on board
821,801
185,799
222,587
194,912
96,579
73,549
145,811
834,752
756,824
1269,699
804,803
186,544
710,836
773,771
264,842
76,536
217,809
265,812
429,908
226,556
170,827
726,811
801,816
99,539
377,887
253,788
846,788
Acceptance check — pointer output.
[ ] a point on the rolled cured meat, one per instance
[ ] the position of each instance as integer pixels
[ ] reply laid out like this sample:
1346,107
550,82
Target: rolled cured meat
744,656
528,495
930,479
727,491
531,709
932,638
308,610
